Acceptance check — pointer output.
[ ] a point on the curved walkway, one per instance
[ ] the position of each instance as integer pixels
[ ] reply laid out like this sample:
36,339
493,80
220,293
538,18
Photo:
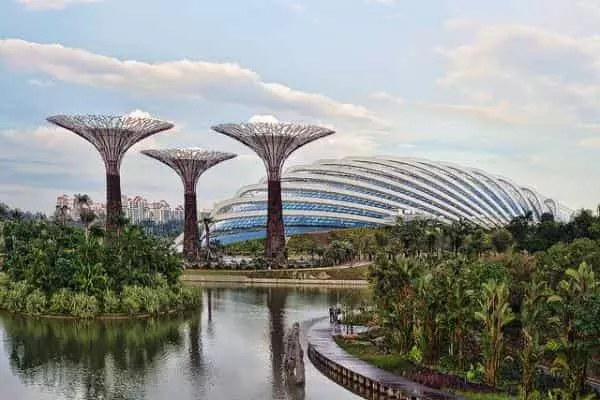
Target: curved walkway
359,376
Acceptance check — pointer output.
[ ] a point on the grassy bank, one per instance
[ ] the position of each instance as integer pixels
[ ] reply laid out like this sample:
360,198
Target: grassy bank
403,366
358,273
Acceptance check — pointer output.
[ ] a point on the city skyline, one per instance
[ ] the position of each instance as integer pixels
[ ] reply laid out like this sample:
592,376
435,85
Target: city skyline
501,87
136,208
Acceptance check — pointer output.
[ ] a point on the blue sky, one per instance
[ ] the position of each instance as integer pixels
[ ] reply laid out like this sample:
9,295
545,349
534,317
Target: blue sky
510,87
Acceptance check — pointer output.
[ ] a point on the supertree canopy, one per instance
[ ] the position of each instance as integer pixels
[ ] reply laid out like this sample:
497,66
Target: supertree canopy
112,136
274,142
189,164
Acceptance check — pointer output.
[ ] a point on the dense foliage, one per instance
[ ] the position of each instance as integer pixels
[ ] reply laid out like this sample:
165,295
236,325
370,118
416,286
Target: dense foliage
465,304
58,269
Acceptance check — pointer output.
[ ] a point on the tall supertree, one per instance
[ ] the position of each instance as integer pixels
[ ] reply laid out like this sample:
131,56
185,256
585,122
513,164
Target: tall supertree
189,165
274,142
112,136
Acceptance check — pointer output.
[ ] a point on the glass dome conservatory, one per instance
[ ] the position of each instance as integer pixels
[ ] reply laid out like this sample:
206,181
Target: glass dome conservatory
358,191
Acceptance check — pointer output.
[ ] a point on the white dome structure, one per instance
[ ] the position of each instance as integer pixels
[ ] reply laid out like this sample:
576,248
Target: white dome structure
371,191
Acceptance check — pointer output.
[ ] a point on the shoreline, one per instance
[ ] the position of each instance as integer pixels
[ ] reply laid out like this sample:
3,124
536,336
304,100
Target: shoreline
349,275
243,279
105,317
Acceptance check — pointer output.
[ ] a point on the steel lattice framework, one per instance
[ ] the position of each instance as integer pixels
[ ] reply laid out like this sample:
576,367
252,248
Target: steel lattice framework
112,136
189,164
274,143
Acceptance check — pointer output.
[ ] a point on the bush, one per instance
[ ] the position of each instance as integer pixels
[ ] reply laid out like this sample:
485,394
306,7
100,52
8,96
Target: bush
61,302
3,293
190,297
165,298
61,270
36,303
14,300
132,299
110,302
84,306
150,300
50,256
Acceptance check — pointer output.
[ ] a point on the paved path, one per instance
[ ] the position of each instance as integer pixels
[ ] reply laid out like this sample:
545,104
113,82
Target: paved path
320,338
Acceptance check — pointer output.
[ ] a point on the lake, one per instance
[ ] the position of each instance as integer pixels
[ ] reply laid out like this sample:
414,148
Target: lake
232,349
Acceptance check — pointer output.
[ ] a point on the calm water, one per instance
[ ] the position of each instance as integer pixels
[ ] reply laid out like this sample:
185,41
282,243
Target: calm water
231,350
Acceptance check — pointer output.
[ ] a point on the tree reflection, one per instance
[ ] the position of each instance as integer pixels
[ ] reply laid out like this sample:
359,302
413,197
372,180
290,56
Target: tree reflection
276,299
90,359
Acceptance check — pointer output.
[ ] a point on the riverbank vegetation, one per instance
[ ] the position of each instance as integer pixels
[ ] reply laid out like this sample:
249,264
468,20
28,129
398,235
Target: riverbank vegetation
56,269
515,309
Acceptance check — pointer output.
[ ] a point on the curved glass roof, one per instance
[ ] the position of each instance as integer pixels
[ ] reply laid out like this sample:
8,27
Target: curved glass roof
370,191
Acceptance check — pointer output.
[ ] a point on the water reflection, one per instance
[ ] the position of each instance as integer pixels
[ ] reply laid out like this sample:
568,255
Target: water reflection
91,360
232,350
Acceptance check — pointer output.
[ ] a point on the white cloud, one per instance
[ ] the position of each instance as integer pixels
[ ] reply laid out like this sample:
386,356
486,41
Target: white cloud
217,82
263,118
53,4
460,23
593,142
380,95
40,83
138,114
496,112
295,7
340,144
543,76
386,2
589,6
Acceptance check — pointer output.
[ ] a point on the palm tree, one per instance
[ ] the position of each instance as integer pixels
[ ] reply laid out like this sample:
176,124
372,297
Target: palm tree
86,215
61,214
534,318
4,211
495,314
572,349
207,219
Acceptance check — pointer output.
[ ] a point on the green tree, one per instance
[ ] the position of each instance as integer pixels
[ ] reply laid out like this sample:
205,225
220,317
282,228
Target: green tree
501,240
494,315
535,319
578,308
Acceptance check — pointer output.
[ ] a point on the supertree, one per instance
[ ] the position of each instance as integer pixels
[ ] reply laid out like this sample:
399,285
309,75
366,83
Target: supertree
189,165
112,136
274,142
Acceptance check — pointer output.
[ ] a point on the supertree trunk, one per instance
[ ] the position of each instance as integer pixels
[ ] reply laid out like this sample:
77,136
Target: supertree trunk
275,240
190,229
114,207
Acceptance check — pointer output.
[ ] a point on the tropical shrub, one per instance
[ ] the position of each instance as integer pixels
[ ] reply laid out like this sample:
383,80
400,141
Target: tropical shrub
84,306
36,302
132,299
61,302
16,294
111,303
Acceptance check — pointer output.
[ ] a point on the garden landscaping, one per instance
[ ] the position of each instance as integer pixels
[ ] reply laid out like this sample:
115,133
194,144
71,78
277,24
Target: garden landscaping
61,271
513,312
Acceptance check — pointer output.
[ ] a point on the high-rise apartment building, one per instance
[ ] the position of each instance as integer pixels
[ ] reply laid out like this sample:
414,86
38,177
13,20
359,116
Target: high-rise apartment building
136,209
